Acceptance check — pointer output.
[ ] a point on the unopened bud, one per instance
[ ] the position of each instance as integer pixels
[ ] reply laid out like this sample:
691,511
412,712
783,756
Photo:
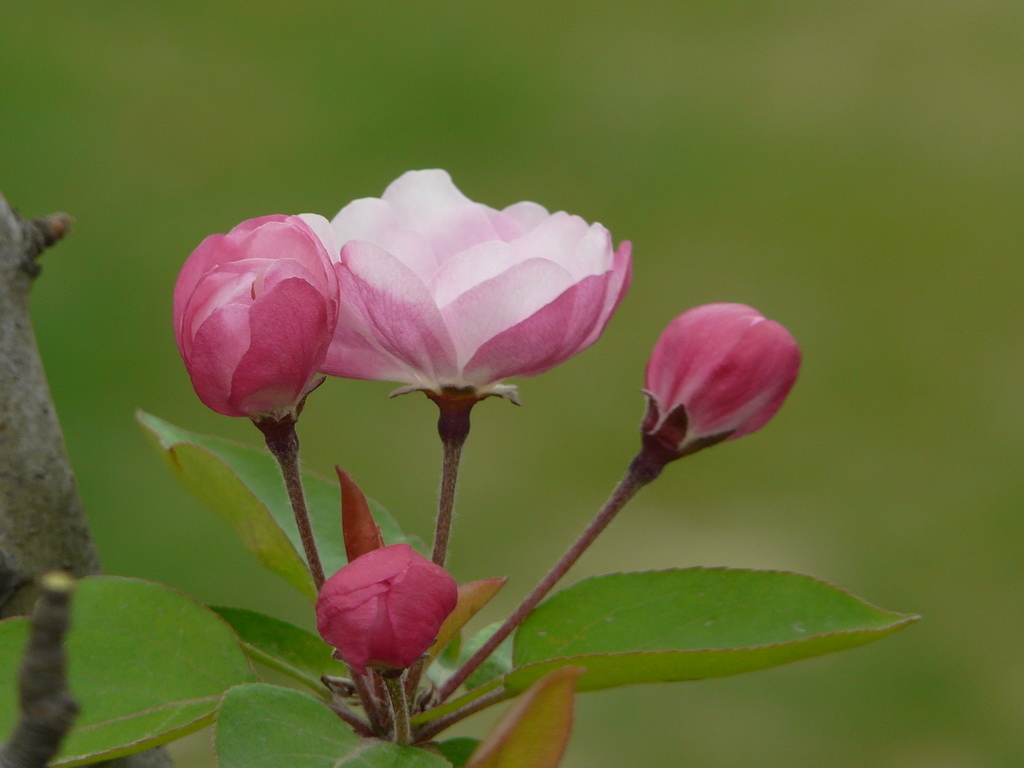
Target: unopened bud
385,608
718,372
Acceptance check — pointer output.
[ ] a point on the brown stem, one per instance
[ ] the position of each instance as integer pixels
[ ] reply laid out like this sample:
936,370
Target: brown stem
641,471
453,429
366,689
434,727
357,723
283,443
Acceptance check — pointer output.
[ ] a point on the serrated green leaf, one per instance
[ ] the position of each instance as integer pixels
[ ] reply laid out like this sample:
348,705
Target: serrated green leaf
146,664
690,624
283,646
243,485
266,725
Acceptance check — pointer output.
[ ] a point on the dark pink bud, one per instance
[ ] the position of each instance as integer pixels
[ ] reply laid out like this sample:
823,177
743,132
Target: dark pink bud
254,314
718,372
384,609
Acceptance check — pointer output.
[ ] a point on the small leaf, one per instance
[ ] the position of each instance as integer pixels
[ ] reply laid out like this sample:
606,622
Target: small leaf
283,646
690,624
457,751
243,485
266,725
204,471
147,665
535,731
473,596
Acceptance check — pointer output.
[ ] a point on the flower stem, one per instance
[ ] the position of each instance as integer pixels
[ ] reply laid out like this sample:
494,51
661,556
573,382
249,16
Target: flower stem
399,708
357,723
453,428
365,689
643,469
434,727
283,443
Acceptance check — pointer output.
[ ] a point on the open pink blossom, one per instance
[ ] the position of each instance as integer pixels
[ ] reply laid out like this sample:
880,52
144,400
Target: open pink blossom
384,608
254,313
444,292
718,372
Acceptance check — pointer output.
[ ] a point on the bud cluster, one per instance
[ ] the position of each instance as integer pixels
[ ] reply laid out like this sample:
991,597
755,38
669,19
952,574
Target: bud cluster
431,290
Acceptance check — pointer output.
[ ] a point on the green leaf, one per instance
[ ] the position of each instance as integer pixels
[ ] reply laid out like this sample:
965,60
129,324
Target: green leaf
147,665
283,646
689,625
243,485
458,750
266,725
497,664
535,731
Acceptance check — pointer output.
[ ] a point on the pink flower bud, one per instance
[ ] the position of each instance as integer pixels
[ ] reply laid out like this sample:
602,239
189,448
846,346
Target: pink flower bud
442,292
384,608
718,372
254,313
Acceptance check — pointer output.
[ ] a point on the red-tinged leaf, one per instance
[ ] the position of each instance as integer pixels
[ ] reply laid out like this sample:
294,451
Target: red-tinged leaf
357,524
473,596
534,733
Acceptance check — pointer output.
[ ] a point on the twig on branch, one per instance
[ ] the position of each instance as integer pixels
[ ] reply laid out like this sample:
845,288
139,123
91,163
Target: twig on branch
47,708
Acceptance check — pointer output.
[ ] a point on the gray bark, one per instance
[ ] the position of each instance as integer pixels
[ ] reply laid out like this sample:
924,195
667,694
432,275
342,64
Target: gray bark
42,523
43,526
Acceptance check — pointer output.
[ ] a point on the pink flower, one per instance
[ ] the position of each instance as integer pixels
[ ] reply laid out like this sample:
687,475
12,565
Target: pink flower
718,372
254,313
384,608
443,292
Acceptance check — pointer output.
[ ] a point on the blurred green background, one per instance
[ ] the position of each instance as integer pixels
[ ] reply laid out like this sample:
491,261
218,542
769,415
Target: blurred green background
853,170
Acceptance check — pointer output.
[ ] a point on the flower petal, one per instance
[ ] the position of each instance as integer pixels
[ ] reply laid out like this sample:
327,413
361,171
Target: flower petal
749,384
290,328
429,203
387,305
211,361
375,221
469,268
570,242
546,338
504,301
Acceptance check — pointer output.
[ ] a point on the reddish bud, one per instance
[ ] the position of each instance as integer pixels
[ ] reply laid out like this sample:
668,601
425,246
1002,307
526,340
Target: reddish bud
358,528
384,609
718,372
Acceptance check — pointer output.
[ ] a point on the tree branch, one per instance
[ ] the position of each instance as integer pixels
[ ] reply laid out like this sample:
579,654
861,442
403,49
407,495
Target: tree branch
42,521
43,526
47,708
